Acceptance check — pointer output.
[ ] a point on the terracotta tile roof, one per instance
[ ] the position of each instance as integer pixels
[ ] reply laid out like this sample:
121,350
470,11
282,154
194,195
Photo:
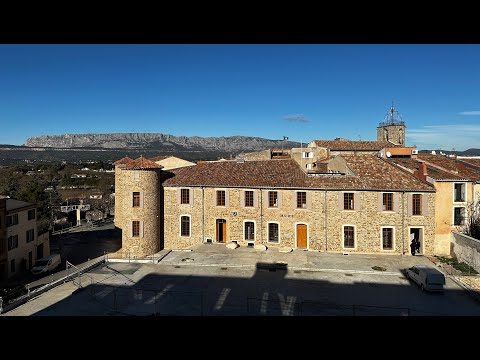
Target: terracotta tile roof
122,161
452,165
474,162
141,164
351,145
372,173
433,172
158,158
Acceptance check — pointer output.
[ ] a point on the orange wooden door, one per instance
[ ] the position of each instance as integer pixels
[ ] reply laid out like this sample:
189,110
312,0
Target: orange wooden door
301,236
224,231
221,230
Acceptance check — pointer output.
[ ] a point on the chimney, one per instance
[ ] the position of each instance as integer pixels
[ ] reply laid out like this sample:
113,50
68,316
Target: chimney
421,173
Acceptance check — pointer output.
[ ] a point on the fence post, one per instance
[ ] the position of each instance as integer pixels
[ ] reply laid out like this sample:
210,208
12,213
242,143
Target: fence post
1,305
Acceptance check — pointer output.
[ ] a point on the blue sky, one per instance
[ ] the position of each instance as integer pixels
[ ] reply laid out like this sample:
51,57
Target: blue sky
305,92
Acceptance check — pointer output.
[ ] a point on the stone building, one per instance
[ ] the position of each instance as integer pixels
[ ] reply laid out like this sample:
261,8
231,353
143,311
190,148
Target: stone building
20,245
457,185
138,206
374,208
392,129
171,162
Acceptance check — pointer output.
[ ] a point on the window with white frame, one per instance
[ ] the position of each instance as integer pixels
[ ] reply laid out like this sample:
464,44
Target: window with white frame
459,192
307,154
12,242
30,235
458,216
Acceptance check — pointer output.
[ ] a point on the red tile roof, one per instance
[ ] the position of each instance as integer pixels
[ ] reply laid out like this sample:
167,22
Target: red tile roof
351,145
452,165
474,162
372,173
122,161
141,164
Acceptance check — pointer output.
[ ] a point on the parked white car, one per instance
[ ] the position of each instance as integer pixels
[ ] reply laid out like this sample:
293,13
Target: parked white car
428,278
46,264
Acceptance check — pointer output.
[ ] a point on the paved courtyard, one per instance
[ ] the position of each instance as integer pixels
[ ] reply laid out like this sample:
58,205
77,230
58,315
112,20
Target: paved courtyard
214,281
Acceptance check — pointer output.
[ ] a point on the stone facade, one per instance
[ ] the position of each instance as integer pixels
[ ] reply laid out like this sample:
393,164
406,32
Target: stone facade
256,155
323,216
394,133
149,213
314,154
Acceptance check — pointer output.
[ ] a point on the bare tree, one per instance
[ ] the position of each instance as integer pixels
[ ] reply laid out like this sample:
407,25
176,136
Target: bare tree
471,225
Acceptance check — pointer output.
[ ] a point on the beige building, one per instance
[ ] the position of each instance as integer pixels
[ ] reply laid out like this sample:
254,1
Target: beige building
457,186
20,246
372,208
171,162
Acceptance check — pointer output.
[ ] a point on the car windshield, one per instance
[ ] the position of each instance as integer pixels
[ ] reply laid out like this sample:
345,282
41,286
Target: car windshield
41,263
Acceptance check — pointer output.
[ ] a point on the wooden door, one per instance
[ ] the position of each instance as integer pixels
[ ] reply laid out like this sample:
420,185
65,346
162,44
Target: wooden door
221,230
301,236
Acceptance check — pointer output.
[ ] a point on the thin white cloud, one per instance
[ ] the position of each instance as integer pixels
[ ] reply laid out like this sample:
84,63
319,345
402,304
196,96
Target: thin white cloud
296,118
470,113
446,137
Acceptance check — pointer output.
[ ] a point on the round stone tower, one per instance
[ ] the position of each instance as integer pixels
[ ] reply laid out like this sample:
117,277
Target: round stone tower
139,206
118,190
392,129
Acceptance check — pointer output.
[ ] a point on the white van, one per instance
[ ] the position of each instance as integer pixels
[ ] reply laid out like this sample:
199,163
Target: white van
428,278
46,264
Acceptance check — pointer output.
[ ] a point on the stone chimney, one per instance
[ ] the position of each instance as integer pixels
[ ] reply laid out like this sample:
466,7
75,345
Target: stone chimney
421,173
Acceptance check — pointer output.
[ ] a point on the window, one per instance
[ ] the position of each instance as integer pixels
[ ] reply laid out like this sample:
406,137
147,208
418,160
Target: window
12,265
387,201
273,199
220,197
136,199
249,231
307,155
249,198
301,200
308,166
31,214
185,196
273,233
12,242
459,192
417,204
458,216
387,238
135,228
185,226
12,220
348,201
348,237
30,235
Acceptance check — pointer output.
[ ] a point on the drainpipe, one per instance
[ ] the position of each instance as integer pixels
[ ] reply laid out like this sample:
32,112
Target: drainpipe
325,209
203,215
403,222
261,216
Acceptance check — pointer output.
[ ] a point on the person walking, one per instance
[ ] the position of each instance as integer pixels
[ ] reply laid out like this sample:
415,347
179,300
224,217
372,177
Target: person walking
413,247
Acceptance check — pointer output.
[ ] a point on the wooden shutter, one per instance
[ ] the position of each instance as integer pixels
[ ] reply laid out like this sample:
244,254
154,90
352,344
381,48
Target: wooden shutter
425,204
279,199
309,199
356,201
340,200
409,205
191,195
397,198
380,201
179,192
242,199
227,198
131,199
141,229
256,195
141,199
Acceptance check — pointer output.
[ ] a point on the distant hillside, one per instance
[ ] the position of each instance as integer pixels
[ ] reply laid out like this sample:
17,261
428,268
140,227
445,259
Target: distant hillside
157,141
468,152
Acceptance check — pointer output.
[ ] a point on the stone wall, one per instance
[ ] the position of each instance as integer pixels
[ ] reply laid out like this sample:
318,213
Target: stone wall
324,219
147,182
466,249
256,155
396,134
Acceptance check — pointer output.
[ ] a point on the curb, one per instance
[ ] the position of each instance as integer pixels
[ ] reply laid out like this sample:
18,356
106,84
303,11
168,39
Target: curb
474,294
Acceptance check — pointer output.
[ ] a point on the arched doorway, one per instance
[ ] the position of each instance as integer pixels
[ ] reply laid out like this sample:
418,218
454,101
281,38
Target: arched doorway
221,230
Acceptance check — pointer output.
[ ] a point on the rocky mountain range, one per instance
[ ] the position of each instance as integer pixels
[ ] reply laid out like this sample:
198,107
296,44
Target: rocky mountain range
158,141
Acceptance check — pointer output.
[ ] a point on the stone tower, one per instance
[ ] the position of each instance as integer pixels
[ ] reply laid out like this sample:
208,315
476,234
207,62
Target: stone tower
392,129
138,206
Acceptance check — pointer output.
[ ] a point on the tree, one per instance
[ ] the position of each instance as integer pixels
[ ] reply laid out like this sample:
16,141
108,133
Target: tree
471,226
